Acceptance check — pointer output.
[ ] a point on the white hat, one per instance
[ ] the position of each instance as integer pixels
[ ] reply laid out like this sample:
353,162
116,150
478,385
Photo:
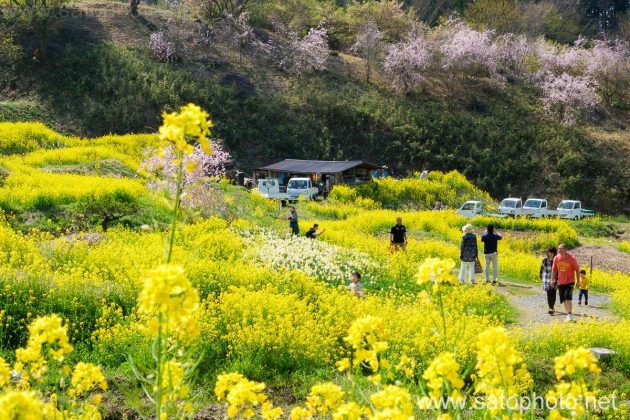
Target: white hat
468,228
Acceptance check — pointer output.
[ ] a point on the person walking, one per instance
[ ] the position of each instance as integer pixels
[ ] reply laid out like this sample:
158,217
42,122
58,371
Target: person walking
545,277
398,236
468,254
583,286
293,221
490,239
564,270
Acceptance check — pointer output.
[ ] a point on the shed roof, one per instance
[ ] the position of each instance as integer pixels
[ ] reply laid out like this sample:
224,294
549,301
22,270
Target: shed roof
317,166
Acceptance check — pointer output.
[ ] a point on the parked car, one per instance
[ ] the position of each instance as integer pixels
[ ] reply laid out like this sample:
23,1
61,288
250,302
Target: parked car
511,207
475,208
572,209
537,208
296,187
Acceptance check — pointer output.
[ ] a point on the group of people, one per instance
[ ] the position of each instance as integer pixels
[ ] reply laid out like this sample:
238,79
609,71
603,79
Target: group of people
469,254
560,272
559,269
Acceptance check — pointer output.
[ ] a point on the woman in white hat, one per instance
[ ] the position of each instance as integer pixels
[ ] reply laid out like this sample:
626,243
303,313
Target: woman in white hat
468,254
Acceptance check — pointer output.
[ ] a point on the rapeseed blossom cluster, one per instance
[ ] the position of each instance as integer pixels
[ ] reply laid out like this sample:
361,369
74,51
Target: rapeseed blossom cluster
365,336
437,272
47,338
190,122
392,403
170,302
245,398
442,377
500,371
572,396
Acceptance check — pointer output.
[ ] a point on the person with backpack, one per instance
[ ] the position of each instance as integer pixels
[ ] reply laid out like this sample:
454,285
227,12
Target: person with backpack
468,254
490,240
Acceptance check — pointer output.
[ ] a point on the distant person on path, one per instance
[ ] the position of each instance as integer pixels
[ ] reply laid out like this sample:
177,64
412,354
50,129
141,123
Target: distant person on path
468,254
583,286
355,285
424,174
398,236
293,221
438,206
312,233
490,240
545,276
565,268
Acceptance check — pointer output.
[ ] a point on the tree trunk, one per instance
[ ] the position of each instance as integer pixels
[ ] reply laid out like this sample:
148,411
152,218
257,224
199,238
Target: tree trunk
43,43
134,7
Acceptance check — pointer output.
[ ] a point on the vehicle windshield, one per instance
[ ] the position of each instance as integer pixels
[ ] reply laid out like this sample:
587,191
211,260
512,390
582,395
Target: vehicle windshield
468,206
268,183
533,203
566,205
508,203
298,184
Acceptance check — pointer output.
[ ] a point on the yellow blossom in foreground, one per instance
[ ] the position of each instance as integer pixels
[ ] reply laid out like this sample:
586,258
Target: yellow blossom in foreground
436,271
443,375
393,403
190,122
365,337
349,411
22,405
47,337
85,378
325,398
575,360
301,413
169,298
244,397
5,373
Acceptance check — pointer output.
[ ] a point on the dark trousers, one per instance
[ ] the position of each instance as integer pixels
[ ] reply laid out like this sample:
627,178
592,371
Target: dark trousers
295,228
552,293
585,294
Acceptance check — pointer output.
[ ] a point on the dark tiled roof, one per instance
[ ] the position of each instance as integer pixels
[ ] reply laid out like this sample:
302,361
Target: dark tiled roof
317,166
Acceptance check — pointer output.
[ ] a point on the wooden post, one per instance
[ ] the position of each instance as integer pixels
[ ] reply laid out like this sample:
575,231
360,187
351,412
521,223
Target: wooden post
591,273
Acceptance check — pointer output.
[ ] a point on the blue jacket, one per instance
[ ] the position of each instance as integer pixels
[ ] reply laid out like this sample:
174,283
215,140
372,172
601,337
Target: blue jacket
468,248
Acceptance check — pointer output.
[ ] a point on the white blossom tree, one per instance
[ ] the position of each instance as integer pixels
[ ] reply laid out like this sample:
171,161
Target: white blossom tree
369,46
571,96
307,54
407,61
466,50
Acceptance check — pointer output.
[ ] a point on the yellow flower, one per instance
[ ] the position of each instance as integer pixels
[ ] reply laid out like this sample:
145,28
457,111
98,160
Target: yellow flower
443,370
243,395
169,298
301,413
325,398
85,378
574,361
343,364
349,411
190,122
23,405
392,403
5,373
437,271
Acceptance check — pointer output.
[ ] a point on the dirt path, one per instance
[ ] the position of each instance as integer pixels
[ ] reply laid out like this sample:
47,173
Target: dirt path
604,257
530,302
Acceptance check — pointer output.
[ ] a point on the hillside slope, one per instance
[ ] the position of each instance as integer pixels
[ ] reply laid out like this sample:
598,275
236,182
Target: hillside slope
102,78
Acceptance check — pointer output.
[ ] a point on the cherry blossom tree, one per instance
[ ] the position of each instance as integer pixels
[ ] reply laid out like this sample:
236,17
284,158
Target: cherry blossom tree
369,45
512,53
163,48
237,31
571,96
303,55
465,50
199,192
608,63
407,61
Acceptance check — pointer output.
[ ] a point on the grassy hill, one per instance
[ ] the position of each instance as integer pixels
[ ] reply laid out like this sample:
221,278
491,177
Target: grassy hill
102,78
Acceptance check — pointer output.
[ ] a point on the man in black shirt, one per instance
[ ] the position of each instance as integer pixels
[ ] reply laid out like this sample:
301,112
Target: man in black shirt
312,233
398,236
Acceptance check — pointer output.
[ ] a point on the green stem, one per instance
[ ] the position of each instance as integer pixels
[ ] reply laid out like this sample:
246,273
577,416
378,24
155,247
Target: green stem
443,319
178,193
158,399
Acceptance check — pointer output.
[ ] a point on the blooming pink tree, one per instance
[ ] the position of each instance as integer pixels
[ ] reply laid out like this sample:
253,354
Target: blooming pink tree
608,63
407,61
303,55
571,96
199,190
512,53
369,45
465,50
235,29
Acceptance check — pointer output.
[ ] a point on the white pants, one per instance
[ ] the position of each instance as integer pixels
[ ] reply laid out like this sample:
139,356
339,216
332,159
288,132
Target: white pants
471,271
494,259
